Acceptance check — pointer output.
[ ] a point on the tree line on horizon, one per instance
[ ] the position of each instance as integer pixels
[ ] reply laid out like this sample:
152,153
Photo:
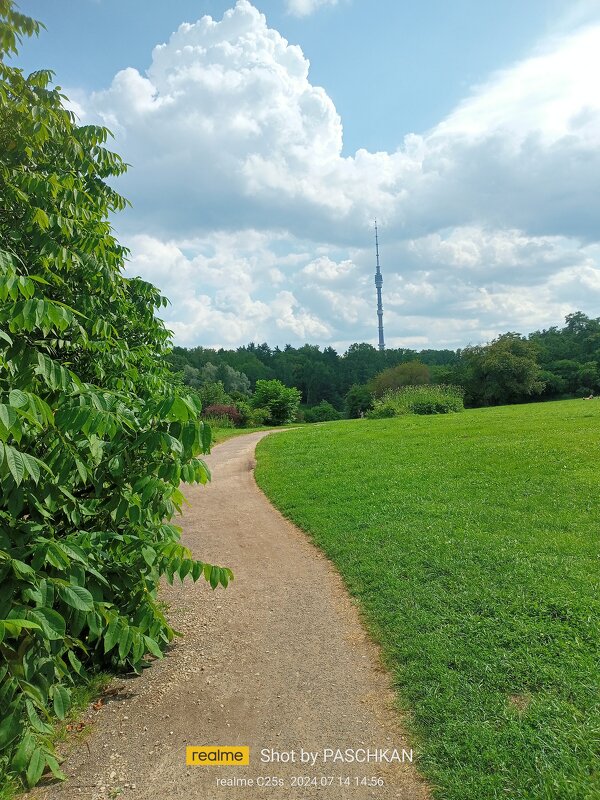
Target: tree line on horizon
555,363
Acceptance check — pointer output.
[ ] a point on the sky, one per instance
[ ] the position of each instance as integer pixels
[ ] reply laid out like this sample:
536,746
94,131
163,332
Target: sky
264,138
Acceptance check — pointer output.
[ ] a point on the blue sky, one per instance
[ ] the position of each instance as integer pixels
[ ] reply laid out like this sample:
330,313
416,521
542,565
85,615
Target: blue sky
470,129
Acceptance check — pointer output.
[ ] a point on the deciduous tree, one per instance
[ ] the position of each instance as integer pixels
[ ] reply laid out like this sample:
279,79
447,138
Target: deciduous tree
94,436
412,373
504,371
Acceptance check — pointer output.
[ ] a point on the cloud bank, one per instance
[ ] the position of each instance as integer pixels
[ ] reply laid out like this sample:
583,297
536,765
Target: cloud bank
249,217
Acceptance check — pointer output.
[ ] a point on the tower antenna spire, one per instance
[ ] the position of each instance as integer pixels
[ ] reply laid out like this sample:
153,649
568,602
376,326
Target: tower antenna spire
378,285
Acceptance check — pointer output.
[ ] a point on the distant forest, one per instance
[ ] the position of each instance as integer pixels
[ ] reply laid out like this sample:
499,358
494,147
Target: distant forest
547,364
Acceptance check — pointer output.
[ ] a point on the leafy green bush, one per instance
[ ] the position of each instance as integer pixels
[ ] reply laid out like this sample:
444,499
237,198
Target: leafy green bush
258,417
213,394
358,400
384,408
251,417
323,412
244,410
280,400
438,399
94,437
427,399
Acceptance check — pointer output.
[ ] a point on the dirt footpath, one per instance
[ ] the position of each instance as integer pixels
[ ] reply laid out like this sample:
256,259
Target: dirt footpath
278,661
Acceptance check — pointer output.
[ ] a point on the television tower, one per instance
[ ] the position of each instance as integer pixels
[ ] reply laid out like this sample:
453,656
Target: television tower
378,285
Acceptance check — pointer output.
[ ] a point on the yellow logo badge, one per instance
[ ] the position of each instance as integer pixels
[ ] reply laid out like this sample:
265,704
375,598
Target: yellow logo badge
217,756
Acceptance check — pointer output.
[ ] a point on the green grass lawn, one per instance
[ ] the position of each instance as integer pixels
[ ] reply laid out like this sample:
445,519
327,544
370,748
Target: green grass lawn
222,434
472,542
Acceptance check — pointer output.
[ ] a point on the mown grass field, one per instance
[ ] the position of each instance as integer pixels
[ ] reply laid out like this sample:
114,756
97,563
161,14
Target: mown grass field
472,542
222,434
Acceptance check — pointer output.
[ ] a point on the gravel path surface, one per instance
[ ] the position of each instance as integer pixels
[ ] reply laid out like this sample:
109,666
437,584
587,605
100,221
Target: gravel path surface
278,661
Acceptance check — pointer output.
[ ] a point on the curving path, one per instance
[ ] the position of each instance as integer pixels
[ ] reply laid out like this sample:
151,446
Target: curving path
279,660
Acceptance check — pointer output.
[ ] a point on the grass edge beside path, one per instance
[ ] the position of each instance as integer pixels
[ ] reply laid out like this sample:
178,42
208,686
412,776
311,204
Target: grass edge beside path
471,543
220,435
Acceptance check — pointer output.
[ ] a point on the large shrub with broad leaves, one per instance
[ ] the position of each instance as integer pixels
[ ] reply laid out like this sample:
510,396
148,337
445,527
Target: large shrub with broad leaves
94,437
281,402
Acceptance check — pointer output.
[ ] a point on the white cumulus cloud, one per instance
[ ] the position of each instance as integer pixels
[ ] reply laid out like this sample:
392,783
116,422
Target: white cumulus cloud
252,220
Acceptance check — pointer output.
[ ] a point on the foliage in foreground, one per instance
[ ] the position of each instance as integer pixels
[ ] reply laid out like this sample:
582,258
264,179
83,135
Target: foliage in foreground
476,562
94,439
433,399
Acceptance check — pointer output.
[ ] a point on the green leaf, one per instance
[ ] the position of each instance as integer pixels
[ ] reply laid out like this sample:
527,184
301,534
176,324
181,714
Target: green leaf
215,576
41,218
77,597
15,626
178,411
206,436
125,642
54,768
23,754
34,692
10,728
186,566
36,767
15,464
61,700
75,663
188,436
74,552
111,637
81,469
50,621
56,556
17,398
35,721
8,416
153,647
138,650
32,466
22,570
201,473
116,466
